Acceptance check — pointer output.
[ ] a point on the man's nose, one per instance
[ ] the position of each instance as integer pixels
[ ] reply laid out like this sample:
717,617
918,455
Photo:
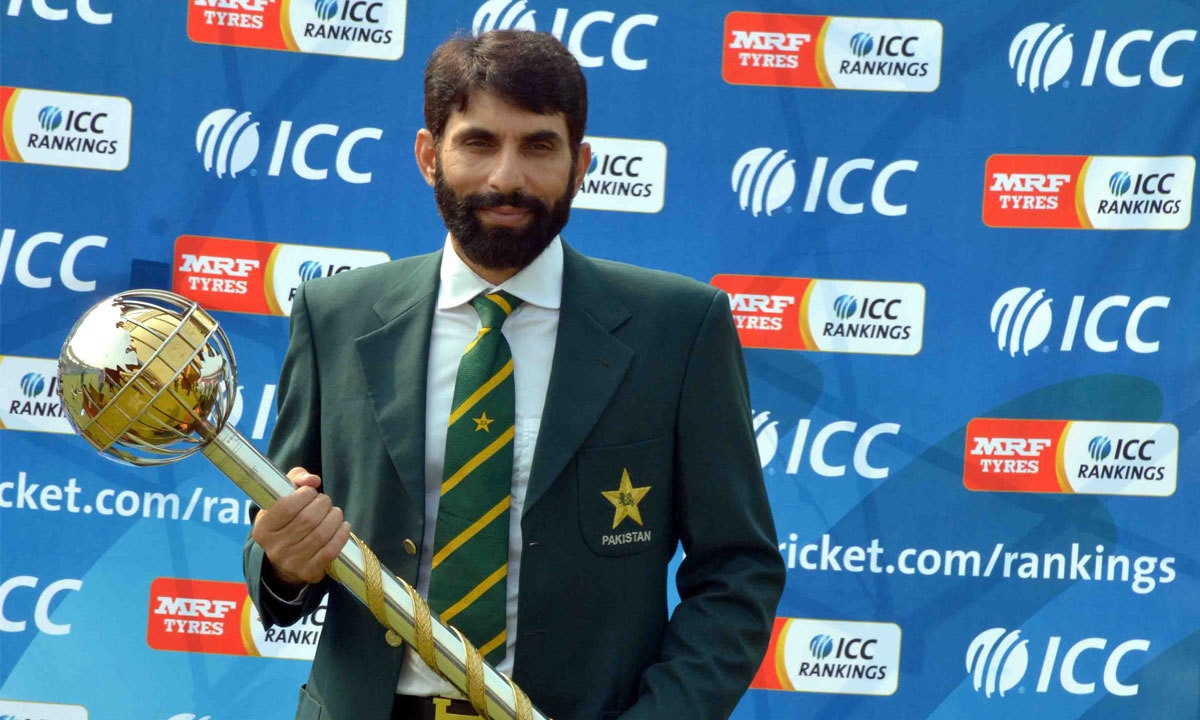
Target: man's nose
508,174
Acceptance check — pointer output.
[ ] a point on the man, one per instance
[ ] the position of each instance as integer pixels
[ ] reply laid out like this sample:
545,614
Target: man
627,431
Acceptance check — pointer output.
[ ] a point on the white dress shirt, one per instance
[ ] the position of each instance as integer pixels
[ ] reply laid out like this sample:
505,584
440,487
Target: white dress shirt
531,331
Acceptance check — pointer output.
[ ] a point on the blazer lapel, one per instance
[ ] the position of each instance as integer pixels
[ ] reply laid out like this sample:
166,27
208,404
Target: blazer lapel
588,366
395,361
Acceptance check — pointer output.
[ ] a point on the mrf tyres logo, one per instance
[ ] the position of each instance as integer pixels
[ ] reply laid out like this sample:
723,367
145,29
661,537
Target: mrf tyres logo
843,53
1022,319
998,661
606,31
228,143
851,316
1089,192
371,29
207,616
625,175
256,277
1071,456
1043,56
831,656
29,396
46,127
764,179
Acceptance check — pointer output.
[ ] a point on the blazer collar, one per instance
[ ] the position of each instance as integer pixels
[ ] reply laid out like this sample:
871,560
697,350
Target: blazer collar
395,361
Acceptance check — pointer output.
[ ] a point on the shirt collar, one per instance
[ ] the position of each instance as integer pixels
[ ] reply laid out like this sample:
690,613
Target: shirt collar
538,283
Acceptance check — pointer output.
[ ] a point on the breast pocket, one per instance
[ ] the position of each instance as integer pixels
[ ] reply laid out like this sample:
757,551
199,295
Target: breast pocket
625,496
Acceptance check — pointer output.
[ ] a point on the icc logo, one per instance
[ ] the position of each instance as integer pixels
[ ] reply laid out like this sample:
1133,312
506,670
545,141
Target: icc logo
1099,448
32,384
510,15
229,142
310,270
821,646
998,659
1041,55
845,306
1022,320
50,118
765,179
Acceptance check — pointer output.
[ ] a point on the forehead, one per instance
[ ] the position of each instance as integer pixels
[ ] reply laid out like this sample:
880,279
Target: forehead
487,111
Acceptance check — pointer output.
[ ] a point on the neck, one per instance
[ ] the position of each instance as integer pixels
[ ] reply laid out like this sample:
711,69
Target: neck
495,276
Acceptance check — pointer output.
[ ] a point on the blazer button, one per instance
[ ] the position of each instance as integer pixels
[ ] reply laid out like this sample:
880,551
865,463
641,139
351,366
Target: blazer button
410,547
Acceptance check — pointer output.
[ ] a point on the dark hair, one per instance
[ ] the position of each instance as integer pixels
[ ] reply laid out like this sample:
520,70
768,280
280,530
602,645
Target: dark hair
531,70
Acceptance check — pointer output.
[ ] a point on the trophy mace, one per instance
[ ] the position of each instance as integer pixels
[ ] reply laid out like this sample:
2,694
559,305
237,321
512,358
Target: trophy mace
148,377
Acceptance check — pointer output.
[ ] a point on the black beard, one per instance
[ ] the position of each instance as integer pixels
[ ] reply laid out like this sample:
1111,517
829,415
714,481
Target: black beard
501,248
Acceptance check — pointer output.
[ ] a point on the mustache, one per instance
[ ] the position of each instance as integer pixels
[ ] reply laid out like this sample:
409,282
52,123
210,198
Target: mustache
516,198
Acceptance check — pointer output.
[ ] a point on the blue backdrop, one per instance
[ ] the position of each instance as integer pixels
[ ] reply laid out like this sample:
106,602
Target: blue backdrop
978,211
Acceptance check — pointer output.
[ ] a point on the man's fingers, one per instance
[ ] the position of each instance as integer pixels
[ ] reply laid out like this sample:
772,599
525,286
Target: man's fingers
300,477
330,551
287,508
321,533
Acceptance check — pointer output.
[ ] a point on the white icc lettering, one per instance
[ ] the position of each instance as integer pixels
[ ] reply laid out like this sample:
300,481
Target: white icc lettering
66,268
300,163
1091,329
1008,447
817,454
193,607
43,10
215,265
1067,676
574,41
1112,63
837,200
41,610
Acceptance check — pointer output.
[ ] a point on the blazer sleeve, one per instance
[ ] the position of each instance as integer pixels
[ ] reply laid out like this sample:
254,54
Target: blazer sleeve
732,575
295,441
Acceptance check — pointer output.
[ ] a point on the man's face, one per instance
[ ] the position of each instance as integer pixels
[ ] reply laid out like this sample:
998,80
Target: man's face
503,178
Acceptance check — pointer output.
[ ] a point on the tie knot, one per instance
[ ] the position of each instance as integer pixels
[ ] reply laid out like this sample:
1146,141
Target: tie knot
495,307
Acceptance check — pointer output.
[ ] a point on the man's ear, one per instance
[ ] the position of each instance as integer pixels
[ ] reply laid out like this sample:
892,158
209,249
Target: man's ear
425,150
582,163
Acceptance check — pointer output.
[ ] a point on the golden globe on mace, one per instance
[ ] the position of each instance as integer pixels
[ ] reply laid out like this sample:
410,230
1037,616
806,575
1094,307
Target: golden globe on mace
148,377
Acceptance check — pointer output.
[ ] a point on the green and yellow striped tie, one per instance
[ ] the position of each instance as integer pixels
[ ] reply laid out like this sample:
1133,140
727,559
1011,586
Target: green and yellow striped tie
467,586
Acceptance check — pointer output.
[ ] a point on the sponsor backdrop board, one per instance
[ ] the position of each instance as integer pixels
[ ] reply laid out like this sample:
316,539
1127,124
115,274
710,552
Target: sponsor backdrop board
959,247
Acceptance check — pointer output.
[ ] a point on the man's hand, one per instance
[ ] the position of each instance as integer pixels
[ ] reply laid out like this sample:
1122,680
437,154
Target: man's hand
301,533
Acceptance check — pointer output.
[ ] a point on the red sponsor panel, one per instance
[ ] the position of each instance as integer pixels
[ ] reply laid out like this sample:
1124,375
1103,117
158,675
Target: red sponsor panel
1013,455
1033,191
6,99
196,616
223,273
768,311
251,23
772,49
769,673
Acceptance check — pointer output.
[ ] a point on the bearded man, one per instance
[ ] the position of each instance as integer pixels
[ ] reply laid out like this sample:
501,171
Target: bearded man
524,434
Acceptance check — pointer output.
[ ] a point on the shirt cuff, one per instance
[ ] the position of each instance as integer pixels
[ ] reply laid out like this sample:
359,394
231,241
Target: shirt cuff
279,595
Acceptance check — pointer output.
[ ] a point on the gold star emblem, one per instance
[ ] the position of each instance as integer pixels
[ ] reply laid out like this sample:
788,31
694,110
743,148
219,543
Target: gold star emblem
625,499
483,422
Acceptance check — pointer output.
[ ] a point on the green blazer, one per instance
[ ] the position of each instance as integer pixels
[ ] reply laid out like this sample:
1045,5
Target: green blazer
648,379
